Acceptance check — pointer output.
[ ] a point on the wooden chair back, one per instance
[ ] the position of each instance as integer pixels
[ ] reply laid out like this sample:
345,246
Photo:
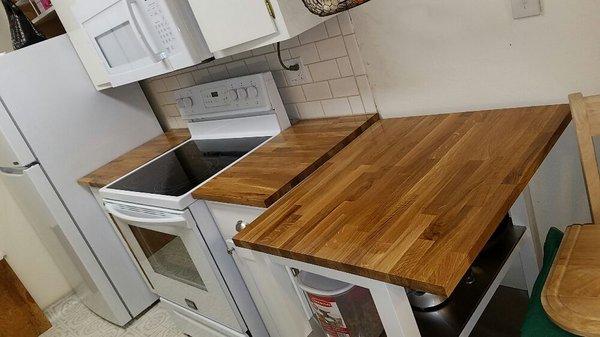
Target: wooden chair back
586,115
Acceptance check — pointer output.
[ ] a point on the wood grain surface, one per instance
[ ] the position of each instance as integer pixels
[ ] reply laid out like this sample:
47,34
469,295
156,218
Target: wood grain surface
571,295
20,316
135,158
276,167
412,201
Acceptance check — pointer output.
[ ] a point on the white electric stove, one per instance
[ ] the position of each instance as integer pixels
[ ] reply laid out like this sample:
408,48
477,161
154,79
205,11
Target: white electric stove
173,237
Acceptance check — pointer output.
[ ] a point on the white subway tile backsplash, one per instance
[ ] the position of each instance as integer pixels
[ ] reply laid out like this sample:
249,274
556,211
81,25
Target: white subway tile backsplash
366,94
345,66
291,43
318,32
333,27
333,81
171,83
201,76
157,85
242,55
336,107
317,91
310,110
354,54
345,23
292,94
237,68
186,80
308,53
166,98
273,60
263,50
356,105
344,87
326,70
218,72
331,48
257,64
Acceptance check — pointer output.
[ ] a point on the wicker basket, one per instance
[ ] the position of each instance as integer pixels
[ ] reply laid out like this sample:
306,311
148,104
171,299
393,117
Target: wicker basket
330,7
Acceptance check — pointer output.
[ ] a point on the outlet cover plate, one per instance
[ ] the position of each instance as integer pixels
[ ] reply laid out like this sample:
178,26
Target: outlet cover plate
526,8
301,76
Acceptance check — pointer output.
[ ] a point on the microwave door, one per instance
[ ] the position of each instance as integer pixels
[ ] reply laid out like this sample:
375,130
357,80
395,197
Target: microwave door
124,44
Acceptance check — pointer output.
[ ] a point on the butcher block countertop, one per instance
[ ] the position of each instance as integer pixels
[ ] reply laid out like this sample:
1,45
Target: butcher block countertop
135,158
411,201
270,171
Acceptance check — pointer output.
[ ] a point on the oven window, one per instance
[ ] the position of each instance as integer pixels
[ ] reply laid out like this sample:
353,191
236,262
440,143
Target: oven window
168,256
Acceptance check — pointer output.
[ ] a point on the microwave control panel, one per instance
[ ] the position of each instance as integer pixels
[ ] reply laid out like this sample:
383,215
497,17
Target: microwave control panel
237,95
157,18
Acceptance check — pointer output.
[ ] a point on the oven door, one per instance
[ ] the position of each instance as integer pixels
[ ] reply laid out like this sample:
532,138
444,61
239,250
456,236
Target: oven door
124,37
176,261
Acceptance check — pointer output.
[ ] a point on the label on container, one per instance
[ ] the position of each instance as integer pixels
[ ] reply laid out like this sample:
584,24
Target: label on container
329,316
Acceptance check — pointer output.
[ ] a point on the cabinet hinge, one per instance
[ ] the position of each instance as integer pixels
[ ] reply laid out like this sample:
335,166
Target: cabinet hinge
270,8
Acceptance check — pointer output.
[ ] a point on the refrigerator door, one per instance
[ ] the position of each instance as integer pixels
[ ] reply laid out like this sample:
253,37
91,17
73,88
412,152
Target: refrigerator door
14,152
55,228
72,129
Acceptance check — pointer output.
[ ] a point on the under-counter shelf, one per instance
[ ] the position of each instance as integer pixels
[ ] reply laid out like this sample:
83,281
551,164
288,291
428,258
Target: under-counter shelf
468,299
44,16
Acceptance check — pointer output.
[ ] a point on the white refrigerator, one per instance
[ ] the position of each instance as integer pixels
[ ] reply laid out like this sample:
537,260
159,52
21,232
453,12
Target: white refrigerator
55,128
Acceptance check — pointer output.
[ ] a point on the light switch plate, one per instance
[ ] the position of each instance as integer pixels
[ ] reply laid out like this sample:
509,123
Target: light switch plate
301,76
526,8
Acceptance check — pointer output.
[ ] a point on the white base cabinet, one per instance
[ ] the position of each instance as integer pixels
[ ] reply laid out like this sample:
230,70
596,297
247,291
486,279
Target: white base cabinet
271,286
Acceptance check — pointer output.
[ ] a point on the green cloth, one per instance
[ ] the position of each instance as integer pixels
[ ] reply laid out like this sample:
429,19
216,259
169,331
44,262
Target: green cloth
537,323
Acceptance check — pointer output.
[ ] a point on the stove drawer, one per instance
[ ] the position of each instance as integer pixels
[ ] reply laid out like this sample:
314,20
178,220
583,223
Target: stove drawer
227,216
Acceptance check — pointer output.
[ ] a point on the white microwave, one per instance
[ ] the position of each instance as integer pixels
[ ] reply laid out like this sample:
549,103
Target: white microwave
138,39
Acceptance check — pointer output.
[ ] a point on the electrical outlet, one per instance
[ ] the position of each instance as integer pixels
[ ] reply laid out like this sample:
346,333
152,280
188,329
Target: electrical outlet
302,76
526,8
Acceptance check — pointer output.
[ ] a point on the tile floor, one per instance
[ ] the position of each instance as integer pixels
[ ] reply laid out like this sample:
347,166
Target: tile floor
70,318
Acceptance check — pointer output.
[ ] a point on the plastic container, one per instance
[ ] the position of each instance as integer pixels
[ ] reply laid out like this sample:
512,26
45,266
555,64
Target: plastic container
342,309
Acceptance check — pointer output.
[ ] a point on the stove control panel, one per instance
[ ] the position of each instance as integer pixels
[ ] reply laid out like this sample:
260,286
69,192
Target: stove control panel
237,96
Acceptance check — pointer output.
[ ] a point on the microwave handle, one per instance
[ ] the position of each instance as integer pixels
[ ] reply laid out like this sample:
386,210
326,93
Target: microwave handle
148,222
156,57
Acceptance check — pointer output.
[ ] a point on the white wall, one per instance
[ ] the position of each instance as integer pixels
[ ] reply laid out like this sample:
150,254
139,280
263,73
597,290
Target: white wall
436,56
26,254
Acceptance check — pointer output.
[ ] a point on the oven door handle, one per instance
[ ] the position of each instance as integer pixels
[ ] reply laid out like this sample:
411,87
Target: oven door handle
172,221
156,57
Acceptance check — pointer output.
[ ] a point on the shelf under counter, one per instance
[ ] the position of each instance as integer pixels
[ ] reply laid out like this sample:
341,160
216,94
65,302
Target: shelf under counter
466,304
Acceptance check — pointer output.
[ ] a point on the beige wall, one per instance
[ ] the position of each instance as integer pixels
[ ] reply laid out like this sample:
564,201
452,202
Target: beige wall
26,254
336,83
433,56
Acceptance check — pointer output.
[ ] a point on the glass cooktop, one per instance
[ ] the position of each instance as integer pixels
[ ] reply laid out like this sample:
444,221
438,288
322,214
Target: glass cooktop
186,167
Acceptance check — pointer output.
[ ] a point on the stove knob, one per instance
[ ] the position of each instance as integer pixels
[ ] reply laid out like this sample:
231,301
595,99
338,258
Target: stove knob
252,92
242,93
240,225
232,95
184,103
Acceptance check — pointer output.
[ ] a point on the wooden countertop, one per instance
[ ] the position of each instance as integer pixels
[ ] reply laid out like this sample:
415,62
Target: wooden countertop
135,158
272,170
412,201
571,295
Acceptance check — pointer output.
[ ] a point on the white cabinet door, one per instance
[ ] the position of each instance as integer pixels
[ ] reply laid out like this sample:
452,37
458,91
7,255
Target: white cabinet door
227,23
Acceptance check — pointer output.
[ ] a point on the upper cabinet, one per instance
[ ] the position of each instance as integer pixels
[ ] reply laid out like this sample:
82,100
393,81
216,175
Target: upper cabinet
234,26
123,41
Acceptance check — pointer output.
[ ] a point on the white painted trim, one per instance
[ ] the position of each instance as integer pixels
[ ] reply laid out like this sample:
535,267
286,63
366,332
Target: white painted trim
394,310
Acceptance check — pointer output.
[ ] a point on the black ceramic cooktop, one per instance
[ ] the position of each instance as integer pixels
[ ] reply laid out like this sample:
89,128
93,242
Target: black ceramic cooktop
184,168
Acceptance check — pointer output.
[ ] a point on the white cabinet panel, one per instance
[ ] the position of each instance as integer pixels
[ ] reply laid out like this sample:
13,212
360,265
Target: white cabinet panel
227,23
